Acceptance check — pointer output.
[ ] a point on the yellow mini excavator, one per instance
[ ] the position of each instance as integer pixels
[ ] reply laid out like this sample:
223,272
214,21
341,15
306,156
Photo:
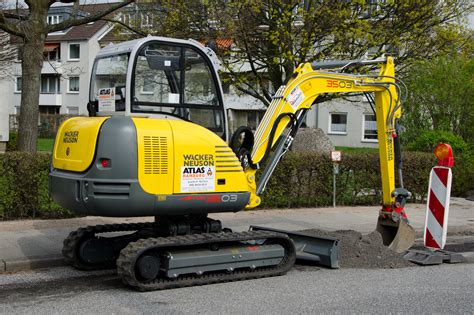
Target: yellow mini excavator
156,144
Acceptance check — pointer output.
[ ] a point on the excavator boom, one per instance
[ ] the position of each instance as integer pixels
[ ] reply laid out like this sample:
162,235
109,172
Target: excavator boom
287,110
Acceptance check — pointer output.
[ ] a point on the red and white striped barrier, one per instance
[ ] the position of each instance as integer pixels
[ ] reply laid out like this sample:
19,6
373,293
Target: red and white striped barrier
439,193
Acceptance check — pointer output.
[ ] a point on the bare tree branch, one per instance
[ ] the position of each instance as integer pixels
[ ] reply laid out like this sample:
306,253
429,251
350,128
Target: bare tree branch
9,27
127,26
15,16
93,17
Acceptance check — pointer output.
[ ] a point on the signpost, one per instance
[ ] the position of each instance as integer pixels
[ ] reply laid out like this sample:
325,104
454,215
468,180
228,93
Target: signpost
336,157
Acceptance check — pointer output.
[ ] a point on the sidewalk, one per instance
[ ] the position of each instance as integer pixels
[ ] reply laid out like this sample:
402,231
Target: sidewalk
34,244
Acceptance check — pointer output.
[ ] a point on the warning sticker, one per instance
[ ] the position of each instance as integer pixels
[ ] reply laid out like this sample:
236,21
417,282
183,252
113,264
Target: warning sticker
106,100
295,98
197,178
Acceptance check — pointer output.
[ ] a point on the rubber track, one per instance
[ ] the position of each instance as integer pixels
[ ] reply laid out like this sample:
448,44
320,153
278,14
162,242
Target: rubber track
74,239
129,255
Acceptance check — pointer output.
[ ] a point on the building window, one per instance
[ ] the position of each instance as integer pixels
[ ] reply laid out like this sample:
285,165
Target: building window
19,53
338,123
49,85
54,19
18,84
370,128
73,85
74,51
148,86
51,52
73,110
49,110
125,18
146,20
226,87
254,118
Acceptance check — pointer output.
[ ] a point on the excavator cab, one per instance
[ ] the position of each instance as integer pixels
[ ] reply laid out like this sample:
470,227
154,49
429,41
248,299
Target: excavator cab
159,78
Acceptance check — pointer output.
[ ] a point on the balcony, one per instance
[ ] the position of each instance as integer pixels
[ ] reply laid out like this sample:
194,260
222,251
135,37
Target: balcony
50,100
51,67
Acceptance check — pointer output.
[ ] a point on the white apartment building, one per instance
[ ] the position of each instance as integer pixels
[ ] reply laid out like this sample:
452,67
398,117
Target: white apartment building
68,61
346,123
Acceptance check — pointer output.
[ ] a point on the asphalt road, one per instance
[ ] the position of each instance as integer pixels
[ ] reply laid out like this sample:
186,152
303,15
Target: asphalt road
438,289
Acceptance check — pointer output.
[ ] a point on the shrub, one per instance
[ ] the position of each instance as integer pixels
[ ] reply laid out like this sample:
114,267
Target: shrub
11,144
429,139
24,187
300,180
463,174
305,179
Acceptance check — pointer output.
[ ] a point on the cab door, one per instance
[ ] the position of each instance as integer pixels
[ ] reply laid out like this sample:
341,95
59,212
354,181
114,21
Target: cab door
176,79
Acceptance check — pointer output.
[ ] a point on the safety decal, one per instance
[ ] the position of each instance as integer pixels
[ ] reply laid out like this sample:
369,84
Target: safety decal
106,100
197,179
71,136
295,97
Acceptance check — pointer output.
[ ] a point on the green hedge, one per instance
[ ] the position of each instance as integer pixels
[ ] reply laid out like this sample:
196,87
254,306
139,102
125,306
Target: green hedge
24,187
300,180
305,179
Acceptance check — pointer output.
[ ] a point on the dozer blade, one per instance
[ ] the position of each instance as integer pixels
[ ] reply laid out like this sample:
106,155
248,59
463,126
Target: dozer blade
398,236
322,250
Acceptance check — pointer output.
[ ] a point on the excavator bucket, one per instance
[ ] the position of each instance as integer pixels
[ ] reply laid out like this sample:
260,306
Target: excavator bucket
398,236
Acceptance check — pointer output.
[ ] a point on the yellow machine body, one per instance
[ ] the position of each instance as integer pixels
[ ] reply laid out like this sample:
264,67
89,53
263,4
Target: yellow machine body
178,150
75,143
170,167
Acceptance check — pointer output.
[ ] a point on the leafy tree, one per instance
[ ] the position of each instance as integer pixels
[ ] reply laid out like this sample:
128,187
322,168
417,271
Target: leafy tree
271,37
30,24
441,97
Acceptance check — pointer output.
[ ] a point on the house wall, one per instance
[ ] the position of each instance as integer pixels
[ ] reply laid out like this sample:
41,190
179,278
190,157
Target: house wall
4,134
242,110
319,117
10,100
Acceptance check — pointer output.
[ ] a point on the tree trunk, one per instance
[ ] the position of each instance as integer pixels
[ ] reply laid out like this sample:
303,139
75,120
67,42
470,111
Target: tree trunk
31,79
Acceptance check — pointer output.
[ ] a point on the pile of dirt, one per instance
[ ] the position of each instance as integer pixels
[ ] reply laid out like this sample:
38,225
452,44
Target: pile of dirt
312,140
362,251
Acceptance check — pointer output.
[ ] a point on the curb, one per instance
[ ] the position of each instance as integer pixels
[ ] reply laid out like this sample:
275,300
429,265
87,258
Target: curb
468,257
32,263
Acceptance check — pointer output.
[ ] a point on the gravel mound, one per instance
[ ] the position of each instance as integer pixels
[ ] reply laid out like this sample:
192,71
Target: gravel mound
312,140
363,251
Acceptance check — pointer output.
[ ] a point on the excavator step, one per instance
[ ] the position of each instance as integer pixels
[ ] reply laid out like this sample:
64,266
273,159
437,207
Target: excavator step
322,250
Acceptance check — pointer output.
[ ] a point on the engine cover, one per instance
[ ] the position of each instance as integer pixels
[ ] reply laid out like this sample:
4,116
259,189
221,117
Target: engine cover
124,166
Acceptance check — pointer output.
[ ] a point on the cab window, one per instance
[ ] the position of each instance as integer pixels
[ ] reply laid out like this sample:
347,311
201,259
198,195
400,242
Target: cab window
175,80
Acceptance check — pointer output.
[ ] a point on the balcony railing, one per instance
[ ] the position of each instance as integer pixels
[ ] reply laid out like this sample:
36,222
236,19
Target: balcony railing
51,100
52,67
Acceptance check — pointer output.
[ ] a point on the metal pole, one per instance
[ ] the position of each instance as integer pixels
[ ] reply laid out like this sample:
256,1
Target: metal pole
334,185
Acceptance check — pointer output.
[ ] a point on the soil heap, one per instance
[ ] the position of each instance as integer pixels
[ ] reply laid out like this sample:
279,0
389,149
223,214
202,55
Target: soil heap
362,251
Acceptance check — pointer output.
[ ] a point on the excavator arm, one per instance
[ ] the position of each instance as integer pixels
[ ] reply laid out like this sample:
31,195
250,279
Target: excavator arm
285,115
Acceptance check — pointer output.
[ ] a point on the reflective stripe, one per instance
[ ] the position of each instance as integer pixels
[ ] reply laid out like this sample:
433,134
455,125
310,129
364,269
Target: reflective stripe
438,188
436,230
436,222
